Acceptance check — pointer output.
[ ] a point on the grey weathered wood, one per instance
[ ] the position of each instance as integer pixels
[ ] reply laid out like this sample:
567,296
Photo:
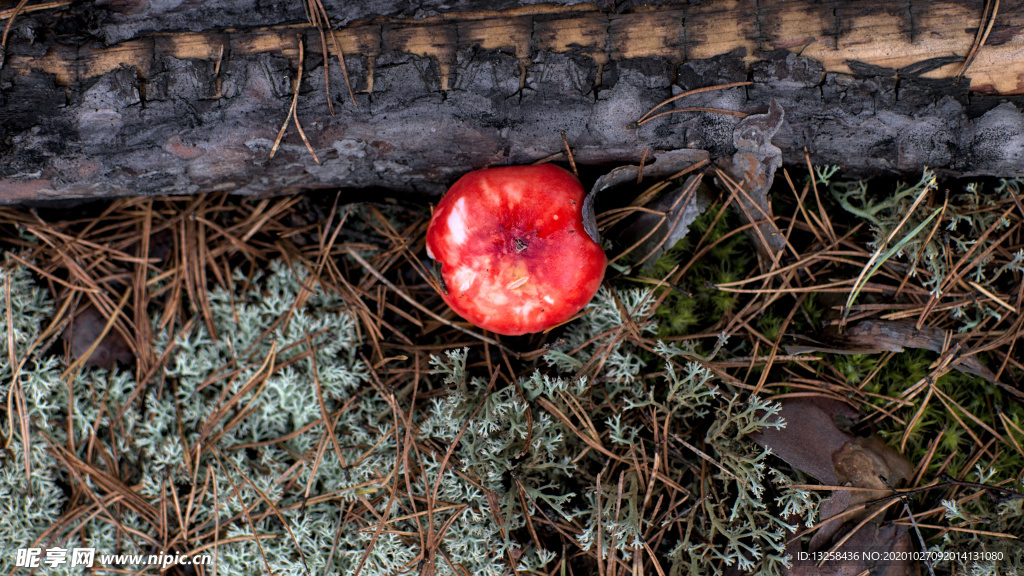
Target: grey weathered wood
185,126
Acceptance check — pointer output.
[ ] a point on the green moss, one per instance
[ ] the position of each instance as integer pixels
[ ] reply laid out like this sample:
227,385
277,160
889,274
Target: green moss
973,394
696,305
854,368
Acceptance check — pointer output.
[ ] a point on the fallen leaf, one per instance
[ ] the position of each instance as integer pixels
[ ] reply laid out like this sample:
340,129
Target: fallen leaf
864,462
665,164
810,436
830,507
807,444
876,336
83,331
812,443
681,207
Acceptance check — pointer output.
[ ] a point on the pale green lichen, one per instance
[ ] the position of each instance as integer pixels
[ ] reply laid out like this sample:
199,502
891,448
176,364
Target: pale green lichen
509,453
739,529
972,220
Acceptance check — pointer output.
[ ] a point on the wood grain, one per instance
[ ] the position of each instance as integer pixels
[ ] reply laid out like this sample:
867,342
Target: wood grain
139,97
885,34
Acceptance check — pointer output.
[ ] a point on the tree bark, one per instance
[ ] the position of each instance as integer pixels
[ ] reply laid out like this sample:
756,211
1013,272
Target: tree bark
138,97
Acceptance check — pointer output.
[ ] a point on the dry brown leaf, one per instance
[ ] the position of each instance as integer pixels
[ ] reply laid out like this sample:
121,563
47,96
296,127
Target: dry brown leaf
653,233
864,462
875,336
810,436
812,443
83,331
666,164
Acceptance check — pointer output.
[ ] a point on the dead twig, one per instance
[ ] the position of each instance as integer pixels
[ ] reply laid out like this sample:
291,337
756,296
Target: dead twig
291,110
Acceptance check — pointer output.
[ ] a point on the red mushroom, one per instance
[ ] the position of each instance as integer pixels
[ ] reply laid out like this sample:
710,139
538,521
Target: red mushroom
514,255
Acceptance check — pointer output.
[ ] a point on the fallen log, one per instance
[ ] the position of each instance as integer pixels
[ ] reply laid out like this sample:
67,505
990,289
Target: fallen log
145,98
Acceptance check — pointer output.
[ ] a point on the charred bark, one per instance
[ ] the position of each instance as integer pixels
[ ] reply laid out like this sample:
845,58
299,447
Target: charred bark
106,99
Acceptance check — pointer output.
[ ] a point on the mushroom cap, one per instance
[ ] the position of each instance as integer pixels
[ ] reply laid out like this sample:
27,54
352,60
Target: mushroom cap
514,255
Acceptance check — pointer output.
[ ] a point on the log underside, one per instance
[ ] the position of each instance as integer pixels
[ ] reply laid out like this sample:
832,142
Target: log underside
190,97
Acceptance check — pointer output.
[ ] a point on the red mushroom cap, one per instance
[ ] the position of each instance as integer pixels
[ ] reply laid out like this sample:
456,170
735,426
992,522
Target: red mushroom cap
513,251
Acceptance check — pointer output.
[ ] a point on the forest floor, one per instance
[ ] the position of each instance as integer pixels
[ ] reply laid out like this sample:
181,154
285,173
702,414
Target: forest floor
177,359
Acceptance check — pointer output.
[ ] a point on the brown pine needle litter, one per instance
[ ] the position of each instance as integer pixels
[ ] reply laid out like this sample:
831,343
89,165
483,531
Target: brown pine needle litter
137,259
